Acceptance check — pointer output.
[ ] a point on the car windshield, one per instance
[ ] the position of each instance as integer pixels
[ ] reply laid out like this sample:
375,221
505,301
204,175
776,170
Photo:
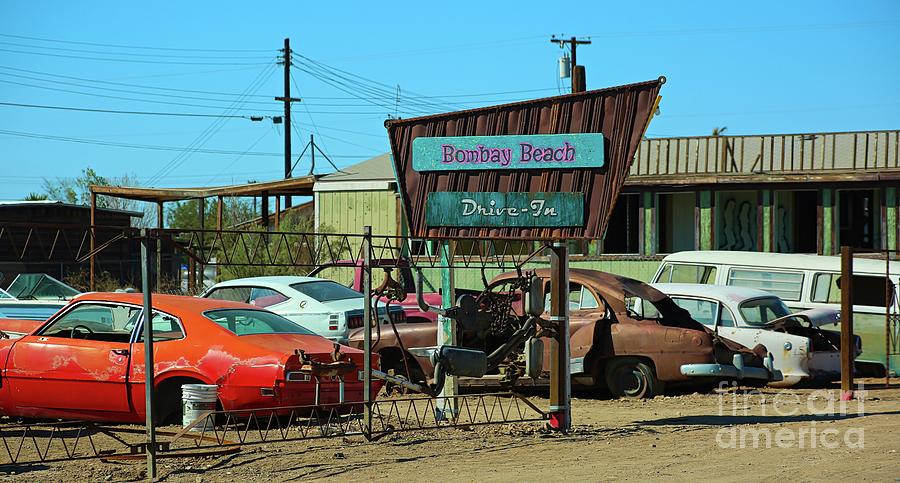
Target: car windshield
762,311
40,286
250,322
326,290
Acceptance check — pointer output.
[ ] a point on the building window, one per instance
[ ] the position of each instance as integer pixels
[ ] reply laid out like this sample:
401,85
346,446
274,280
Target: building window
856,211
675,222
794,221
736,220
623,230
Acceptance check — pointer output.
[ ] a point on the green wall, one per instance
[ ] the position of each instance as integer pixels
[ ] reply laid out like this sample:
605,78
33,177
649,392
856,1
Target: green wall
349,211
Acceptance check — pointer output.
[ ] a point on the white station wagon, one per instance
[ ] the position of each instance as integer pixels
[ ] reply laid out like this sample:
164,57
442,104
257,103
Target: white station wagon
323,306
801,349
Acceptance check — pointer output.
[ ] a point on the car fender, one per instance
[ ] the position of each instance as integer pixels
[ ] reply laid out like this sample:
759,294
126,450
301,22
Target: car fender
790,353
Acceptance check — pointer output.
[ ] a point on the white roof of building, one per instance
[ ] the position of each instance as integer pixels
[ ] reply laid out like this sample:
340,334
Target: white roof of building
780,260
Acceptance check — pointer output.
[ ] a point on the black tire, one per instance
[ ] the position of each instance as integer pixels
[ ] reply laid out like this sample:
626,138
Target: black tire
391,362
633,378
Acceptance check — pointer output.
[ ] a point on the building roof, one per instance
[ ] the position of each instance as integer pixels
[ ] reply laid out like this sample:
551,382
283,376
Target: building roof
372,174
22,204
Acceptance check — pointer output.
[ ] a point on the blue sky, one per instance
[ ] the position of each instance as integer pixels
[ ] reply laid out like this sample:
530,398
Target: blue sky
755,67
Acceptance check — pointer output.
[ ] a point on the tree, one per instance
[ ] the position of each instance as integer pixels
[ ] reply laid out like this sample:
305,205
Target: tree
78,190
717,131
35,197
186,214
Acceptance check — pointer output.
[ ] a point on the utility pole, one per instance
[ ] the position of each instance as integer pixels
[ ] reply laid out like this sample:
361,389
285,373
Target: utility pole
578,79
287,99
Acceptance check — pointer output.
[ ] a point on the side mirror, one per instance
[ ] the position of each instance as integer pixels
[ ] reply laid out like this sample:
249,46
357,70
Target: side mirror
534,297
534,357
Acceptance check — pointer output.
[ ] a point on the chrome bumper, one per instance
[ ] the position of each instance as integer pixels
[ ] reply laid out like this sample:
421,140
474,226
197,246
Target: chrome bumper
735,370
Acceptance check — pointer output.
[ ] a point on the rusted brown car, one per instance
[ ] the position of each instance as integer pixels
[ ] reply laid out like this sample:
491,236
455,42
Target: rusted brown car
611,346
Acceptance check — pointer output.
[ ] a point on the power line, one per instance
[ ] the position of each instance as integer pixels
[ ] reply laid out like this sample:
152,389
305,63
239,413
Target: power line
382,88
120,46
229,152
217,124
105,52
113,111
136,99
135,61
129,91
240,156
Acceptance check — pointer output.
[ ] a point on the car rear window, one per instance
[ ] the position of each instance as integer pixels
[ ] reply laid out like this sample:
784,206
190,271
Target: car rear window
326,290
249,322
761,311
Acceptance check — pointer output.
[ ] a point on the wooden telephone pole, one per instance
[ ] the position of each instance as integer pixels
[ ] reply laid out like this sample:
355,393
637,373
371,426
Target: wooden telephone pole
287,99
579,82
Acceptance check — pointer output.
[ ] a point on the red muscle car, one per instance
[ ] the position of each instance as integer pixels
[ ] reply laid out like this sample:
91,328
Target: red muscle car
87,361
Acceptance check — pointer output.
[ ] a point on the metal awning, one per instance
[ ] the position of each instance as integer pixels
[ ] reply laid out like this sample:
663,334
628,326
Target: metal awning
300,186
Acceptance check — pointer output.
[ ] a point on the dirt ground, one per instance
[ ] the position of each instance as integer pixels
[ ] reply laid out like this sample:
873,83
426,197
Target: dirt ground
734,434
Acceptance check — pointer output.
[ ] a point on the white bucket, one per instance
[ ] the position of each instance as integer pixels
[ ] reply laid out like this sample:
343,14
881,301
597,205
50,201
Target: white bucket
197,399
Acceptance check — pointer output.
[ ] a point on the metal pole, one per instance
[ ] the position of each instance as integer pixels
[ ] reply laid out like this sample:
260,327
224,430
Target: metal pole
846,323
367,333
93,238
160,221
148,356
287,116
447,327
888,303
560,381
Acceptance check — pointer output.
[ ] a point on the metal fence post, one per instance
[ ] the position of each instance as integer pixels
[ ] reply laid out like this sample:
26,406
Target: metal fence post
148,355
560,381
367,333
847,346
446,334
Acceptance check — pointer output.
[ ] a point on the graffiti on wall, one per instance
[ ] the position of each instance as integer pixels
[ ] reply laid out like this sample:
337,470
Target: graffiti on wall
738,226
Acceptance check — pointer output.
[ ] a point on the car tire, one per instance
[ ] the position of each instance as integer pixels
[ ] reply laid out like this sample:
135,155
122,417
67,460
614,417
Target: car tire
633,378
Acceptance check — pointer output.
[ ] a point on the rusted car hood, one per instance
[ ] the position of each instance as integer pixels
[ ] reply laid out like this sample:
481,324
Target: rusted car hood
814,317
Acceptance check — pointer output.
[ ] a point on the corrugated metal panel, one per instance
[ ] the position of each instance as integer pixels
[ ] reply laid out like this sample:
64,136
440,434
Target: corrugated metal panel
620,113
350,211
872,151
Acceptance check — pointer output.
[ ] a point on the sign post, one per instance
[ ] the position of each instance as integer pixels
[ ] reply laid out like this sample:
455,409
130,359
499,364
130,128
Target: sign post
446,334
560,380
545,170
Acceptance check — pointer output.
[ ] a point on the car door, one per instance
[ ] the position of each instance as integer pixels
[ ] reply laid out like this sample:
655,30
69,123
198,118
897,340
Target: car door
168,354
79,362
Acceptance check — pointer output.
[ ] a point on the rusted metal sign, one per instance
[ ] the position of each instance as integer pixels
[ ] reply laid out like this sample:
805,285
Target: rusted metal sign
539,151
474,209
619,113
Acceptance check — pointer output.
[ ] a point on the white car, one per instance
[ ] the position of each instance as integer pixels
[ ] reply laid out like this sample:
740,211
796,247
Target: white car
322,306
801,349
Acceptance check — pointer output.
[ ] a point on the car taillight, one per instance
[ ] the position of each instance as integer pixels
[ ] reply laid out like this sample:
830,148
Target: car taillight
355,321
333,320
398,317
